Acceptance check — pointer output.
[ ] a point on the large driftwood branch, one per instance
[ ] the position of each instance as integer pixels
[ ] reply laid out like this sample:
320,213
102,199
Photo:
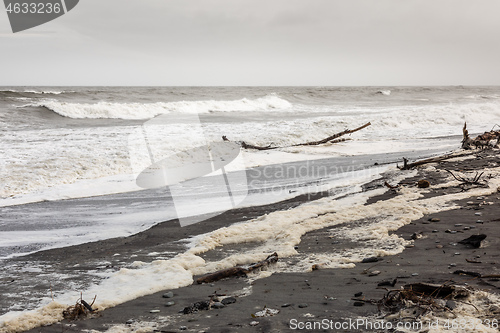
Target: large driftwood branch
332,139
238,270
472,181
407,166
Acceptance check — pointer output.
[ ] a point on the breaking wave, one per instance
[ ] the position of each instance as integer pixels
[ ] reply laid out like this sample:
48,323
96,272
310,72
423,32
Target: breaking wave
109,110
36,92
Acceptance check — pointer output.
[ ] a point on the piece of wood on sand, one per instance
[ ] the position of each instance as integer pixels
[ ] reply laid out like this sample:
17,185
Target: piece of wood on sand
238,270
436,159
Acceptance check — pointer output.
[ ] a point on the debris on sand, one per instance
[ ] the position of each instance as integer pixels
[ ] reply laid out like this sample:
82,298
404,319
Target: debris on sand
81,309
197,306
486,140
266,312
215,302
416,299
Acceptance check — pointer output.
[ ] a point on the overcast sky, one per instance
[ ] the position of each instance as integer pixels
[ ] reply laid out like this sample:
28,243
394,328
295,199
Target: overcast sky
256,42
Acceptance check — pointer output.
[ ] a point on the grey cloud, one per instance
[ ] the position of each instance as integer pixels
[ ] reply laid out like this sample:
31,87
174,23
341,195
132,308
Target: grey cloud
283,42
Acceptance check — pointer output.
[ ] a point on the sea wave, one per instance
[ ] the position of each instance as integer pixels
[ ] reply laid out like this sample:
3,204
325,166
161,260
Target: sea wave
109,110
50,92
37,92
493,96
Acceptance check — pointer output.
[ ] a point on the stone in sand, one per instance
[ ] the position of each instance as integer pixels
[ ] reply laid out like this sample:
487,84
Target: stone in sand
168,295
474,240
228,300
218,305
388,283
370,259
450,304
423,183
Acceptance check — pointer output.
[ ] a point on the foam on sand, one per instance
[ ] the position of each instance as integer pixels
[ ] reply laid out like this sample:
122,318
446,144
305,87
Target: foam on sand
278,231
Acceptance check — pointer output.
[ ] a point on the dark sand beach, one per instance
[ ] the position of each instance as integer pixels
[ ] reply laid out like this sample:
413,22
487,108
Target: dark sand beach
323,294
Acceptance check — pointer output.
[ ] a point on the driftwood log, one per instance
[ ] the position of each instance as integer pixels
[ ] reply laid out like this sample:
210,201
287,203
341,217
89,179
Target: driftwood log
238,270
332,139
408,166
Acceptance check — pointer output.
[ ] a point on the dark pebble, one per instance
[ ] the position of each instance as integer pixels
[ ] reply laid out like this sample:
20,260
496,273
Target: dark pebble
218,305
451,304
474,240
168,295
388,283
358,294
228,300
359,303
370,259
286,305
423,183
304,305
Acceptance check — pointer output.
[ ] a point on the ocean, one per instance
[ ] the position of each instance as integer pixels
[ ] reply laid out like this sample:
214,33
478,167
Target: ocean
71,156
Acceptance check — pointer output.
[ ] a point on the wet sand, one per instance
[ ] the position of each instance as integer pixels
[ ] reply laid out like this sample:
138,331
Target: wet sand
319,294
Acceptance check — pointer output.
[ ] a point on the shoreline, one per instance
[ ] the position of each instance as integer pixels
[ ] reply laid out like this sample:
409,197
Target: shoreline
323,293
138,211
